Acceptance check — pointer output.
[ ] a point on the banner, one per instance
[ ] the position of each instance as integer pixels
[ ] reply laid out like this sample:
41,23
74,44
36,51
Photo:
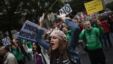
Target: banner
93,6
66,9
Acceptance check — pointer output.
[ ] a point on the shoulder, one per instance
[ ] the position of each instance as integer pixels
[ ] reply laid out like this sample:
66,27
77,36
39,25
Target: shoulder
10,56
10,59
96,29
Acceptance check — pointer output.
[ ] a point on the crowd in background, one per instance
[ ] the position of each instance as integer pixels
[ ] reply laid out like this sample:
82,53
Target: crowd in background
92,32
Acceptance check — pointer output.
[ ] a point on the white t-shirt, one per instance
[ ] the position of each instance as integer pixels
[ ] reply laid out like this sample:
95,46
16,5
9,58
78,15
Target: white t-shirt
10,59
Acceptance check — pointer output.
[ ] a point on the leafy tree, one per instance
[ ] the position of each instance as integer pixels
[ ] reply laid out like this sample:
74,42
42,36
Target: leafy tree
13,11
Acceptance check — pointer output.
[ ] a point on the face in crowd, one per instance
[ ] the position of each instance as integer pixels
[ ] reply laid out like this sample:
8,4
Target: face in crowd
57,40
87,25
54,42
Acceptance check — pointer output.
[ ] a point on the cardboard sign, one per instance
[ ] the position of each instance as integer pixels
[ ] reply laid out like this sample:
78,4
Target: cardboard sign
31,31
66,9
94,6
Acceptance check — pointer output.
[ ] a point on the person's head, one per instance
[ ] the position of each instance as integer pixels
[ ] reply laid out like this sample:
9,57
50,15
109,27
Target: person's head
4,50
57,23
15,42
65,28
87,25
58,40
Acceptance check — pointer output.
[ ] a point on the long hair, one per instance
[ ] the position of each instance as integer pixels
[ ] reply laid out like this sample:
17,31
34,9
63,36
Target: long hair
61,50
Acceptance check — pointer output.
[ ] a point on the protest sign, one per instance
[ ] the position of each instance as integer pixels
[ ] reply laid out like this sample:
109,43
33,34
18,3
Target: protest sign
94,6
28,31
32,32
66,9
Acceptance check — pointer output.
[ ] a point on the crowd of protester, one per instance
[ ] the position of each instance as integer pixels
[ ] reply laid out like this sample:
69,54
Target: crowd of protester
66,33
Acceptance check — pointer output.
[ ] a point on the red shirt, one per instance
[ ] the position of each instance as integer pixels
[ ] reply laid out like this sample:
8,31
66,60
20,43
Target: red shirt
81,27
105,26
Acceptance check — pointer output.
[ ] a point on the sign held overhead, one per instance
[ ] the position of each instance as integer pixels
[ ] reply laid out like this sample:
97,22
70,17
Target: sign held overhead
94,6
31,31
66,9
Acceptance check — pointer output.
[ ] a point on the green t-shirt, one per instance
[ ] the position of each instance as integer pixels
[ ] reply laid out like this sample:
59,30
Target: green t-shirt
91,38
17,53
29,44
99,27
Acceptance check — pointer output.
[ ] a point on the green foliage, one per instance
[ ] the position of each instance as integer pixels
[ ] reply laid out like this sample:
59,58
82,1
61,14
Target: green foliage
12,10
77,5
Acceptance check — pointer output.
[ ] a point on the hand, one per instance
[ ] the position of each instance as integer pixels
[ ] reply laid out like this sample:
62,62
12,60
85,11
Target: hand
41,19
62,16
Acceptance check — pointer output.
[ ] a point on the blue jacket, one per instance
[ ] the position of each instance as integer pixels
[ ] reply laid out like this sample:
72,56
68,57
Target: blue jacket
74,40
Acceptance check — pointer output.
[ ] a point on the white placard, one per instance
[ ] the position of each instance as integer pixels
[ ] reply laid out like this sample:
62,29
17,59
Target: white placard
66,9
